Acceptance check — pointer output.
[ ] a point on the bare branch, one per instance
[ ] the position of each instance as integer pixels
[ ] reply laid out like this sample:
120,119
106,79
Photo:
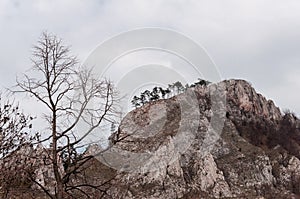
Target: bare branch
71,95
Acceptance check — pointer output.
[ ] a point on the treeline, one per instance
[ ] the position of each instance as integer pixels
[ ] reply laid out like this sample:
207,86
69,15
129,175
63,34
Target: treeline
163,93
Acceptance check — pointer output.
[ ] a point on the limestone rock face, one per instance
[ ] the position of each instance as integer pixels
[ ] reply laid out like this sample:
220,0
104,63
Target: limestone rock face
219,141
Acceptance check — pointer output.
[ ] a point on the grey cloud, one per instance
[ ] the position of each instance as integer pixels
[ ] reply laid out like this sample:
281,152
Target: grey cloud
256,40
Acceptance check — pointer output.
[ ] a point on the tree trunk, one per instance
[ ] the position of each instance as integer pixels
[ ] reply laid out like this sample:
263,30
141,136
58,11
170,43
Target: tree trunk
59,188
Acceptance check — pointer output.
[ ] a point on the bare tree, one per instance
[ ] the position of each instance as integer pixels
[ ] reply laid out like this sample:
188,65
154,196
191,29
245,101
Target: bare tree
73,98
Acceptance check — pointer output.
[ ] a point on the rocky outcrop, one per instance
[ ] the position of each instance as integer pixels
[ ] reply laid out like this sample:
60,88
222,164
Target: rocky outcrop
219,141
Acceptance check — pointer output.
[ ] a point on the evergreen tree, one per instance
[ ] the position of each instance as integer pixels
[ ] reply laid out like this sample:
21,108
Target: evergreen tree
135,101
179,87
154,94
163,92
143,99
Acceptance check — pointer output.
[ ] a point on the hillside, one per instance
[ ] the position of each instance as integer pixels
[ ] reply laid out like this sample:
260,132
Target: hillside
219,140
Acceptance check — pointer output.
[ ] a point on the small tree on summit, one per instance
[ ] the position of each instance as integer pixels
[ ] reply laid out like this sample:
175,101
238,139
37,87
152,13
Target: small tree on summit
179,87
143,99
147,95
167,92
163,92
135,101
154,94
202,82
186,86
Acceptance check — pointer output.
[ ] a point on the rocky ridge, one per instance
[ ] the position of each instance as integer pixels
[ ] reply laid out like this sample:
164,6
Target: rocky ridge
251,150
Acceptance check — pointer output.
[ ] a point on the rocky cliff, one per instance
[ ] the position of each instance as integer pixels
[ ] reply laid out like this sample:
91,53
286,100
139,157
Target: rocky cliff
219,141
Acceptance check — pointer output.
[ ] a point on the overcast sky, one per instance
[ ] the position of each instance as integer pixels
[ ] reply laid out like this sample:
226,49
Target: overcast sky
256,40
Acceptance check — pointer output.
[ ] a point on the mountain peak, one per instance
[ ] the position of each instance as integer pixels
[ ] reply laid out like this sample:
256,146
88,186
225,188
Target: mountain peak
214,141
